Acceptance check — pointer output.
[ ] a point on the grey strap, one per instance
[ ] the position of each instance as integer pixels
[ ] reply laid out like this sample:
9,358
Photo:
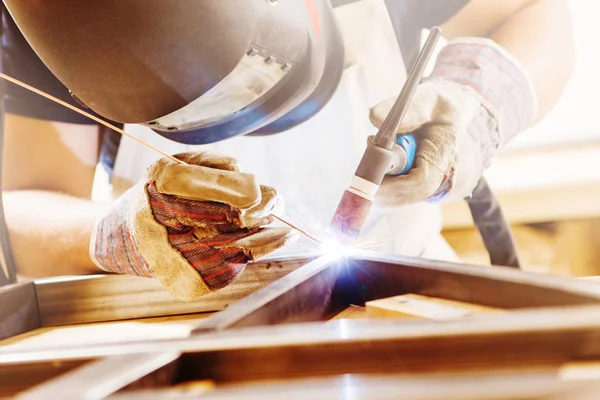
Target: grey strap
493,228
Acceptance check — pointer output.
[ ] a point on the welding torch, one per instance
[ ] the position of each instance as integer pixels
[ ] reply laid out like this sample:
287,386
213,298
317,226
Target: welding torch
387,154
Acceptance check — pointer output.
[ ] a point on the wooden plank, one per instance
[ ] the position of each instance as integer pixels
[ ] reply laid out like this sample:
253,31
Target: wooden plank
558,186
580,370
18,309
352,312
98,298
594,279
417,306
101,378
536,339
523,384
531,206
18,378
156,328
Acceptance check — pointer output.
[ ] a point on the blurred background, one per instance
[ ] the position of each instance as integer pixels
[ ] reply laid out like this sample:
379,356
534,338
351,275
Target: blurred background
548,180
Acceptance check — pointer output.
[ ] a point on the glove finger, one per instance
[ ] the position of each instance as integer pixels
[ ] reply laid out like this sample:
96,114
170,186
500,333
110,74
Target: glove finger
435,102
271,203
196,182
418,114
179,214
218,267
209,160
263,242
435,156
422,181
437,144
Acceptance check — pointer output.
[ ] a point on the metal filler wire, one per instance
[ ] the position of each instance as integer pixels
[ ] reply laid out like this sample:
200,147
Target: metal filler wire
297,228
122,132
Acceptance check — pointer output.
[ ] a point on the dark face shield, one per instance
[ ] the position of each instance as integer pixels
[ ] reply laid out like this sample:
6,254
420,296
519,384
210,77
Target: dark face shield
194,71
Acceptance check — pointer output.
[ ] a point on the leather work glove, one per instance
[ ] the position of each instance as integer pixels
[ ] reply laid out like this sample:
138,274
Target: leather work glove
476,99
194,227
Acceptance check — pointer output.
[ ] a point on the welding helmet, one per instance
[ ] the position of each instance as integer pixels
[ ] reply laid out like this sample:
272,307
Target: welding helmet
195,72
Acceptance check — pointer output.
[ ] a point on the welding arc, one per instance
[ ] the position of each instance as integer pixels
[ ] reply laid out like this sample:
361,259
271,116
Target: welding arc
86,114
118,130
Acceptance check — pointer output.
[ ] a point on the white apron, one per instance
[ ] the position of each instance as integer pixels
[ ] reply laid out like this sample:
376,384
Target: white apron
311,165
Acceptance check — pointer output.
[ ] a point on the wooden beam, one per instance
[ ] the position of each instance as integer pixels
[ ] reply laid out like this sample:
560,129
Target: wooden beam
97,298
144,329
18,309
540,185
543,205
542,338
523,384
426,307
352,312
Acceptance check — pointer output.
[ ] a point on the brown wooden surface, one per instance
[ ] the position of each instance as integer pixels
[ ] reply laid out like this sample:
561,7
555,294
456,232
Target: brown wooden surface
169,327
18,309
21,377
542,338
113,297
507,385
418,306
352,312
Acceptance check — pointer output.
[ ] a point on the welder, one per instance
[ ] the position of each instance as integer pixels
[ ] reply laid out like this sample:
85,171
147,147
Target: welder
289,90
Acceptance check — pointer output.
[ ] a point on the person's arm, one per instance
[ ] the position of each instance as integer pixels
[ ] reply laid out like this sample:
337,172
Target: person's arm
50,232
503,69
536,32
48,171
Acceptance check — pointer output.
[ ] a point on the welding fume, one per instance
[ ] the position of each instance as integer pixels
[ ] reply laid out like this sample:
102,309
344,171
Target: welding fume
353,119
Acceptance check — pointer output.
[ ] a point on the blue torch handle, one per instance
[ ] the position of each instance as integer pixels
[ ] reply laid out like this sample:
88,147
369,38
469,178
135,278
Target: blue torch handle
409,144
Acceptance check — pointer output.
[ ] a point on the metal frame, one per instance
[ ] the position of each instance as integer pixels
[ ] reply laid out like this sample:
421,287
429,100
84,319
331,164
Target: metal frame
552,321
99,298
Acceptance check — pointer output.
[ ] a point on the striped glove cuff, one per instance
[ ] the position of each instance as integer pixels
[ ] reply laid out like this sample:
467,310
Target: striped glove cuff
498,80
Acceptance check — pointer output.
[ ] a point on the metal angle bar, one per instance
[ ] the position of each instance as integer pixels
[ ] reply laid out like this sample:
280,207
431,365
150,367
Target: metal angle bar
19,311
243,313
578,321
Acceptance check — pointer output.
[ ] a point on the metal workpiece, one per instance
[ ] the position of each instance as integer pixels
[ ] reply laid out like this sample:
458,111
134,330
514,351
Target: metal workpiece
290,329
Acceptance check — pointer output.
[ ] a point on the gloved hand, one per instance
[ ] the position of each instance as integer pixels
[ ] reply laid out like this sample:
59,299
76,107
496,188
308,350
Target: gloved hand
474,102
194,227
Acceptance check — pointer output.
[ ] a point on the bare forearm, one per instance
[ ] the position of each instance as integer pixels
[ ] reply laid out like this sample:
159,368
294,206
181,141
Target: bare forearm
539,36
536,32
50,232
